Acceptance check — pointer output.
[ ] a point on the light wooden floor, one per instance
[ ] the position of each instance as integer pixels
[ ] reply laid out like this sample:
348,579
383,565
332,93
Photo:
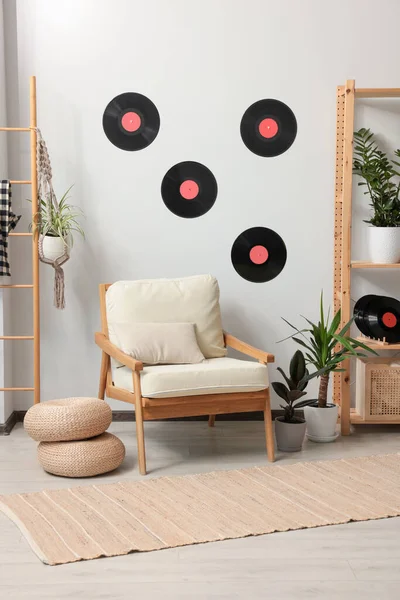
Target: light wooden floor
354,561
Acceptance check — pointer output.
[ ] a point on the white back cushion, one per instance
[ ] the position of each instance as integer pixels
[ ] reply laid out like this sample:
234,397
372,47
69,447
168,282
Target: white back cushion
158,343
190,299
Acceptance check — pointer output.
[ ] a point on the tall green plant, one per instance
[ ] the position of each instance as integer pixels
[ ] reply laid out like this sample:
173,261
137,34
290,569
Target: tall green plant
62,222
378,174
297,381
321,341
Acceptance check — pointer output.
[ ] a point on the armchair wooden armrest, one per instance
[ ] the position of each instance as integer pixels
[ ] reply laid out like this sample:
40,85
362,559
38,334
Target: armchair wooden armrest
104,343
240,346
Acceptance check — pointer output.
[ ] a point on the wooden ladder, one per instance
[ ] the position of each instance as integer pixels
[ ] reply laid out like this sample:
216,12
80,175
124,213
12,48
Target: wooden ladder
35,253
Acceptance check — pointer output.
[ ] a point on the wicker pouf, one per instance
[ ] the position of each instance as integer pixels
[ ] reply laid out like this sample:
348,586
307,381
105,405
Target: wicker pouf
67,419
83,458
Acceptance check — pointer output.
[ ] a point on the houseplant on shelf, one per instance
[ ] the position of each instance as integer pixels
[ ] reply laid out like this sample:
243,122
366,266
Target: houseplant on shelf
379,175
326,347
56,225
290,429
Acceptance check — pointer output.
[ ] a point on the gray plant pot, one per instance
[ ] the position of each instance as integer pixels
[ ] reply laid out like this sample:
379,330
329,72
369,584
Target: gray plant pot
289,436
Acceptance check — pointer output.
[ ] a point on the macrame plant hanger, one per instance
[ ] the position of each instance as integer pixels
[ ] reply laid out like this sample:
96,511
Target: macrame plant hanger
46,193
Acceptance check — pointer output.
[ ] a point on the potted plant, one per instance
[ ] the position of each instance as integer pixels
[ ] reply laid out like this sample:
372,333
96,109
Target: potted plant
326,347
57,226
378,174
290,429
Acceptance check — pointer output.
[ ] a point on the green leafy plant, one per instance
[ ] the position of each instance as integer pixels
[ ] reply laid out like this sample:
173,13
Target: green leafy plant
378,174
294,390
327,347
62,222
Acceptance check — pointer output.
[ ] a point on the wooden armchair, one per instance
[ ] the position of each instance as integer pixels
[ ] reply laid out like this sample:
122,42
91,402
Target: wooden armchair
150,408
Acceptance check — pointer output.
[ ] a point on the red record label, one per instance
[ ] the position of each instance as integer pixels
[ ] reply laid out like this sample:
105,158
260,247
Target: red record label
258,255
131,121
268,128
189,189
389,319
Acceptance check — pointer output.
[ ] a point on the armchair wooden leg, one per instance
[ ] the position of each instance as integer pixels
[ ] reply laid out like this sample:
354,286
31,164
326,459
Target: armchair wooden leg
103,375
211,420
269,432
139,423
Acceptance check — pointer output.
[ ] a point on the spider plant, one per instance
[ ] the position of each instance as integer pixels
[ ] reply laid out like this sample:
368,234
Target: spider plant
327,346
59,222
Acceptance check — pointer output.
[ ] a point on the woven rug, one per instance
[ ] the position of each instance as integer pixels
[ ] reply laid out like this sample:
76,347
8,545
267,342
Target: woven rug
82,523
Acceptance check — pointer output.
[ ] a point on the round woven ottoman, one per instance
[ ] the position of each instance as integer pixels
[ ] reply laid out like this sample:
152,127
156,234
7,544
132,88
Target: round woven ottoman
83,458
67,419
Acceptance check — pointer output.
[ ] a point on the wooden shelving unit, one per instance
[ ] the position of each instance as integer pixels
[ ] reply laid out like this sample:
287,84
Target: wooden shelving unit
357,419
34,286
378,344
343,264
360,264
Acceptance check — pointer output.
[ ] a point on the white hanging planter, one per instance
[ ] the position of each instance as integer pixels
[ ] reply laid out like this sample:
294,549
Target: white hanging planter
54,247
384,244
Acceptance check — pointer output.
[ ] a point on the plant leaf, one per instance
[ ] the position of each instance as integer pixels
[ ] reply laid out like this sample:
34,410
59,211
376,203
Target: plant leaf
286,378
297,366
304,403
281,390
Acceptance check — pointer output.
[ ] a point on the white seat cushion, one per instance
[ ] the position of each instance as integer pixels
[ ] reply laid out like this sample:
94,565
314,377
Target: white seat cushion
212,376
190,299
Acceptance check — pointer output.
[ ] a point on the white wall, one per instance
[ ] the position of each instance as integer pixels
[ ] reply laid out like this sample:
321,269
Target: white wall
202,63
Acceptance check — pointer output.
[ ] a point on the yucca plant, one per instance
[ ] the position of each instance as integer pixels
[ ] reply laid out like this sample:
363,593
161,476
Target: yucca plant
327,347
379,175
297,381
59,222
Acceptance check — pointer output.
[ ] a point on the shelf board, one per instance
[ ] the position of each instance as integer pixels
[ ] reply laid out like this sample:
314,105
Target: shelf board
377,344
377,92
357,419
361,264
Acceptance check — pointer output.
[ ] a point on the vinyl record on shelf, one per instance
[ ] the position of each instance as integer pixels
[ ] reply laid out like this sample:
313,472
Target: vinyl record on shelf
258,254
359,312
189,189
378,317
383,318
268,127
131,121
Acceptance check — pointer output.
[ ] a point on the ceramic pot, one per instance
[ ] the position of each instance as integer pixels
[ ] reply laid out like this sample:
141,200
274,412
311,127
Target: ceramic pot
289,436
53,247
321,423
384,244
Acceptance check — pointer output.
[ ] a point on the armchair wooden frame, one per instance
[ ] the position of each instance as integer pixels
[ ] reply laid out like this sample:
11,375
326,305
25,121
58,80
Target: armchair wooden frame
147,409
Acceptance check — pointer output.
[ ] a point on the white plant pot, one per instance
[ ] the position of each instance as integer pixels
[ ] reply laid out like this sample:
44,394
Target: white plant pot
321,423
384,244
53,247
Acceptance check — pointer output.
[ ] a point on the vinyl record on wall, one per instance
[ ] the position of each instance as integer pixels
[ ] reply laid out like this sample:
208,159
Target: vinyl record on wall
258,254
131,121
268,127
189,189
378,317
